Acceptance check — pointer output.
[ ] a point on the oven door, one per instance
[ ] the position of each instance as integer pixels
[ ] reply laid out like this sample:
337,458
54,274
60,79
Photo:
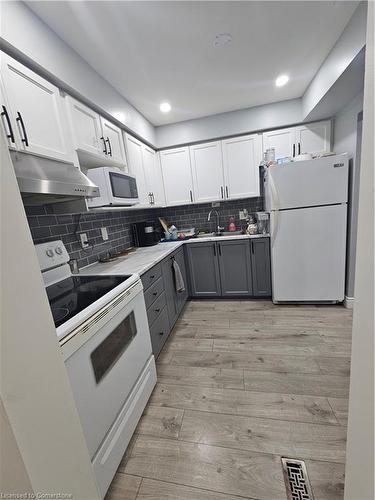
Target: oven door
123,188
104,369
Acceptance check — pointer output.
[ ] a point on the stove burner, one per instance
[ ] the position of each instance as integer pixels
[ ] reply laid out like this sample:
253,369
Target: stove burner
72,295
59,313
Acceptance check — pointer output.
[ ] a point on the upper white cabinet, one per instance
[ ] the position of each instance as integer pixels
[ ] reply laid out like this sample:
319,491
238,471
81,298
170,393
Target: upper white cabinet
33,114
143,164
154,179
309,138
114,144
177,177
93,134
135,165
207,170
313,138
86,128
283,141
241,160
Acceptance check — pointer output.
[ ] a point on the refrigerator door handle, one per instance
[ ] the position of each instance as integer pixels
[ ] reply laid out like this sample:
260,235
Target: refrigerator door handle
274,194
275,226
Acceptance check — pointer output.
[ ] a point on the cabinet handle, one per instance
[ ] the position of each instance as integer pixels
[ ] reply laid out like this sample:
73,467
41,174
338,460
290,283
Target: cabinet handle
227,192
152,199
191,196
294,150
152,277
10,135
105,145
109,146
154,294
252,247
215,249
219,247
157,310
222,191
161,333
24,138
299,148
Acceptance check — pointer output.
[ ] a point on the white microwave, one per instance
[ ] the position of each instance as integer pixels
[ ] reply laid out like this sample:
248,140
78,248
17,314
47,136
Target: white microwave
116,187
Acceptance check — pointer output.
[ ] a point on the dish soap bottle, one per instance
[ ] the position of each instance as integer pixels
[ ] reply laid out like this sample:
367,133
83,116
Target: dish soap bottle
232,225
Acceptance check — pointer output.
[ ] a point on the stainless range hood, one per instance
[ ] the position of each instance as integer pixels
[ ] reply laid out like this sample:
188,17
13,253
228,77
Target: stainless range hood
42,180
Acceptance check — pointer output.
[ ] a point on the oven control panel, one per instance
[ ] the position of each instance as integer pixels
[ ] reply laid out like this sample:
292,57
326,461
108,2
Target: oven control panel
51,254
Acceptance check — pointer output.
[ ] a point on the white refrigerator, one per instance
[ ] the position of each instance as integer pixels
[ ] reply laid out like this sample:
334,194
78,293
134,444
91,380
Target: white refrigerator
307,202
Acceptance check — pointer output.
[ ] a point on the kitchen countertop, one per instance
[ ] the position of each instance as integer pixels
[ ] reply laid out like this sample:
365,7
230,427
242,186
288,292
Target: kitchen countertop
144,258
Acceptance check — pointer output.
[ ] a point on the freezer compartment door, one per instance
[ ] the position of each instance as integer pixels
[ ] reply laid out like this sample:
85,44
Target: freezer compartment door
308,248
308,183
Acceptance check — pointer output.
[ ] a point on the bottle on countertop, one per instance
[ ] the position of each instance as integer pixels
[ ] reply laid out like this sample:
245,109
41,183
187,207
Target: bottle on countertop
252,227
232,225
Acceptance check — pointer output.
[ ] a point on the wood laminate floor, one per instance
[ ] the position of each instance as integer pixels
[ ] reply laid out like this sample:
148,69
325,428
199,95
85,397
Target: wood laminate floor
241,384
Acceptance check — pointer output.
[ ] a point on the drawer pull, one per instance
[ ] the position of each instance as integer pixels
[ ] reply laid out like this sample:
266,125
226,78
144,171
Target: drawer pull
155,293
152,277
161,333
157,310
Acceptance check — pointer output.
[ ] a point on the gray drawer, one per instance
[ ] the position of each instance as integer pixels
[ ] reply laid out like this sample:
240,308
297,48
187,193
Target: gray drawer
159,332
155,309
151,276
153,292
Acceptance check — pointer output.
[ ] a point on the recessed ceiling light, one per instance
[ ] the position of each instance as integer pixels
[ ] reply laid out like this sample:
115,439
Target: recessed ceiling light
165,107
222,39
281,80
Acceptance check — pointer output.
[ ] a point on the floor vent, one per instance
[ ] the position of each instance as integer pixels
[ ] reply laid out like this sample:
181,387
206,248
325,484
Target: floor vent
296,480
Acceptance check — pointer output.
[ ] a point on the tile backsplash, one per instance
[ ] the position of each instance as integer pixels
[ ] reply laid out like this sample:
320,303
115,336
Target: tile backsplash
45,226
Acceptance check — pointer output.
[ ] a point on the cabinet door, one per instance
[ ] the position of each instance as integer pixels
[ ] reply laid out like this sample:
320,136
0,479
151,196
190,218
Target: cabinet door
261,267
178,183
114,141
207,170
282,140
204,277
135,164
35,110
314,137
181,297
7,120
241,158
235,268
86,128
170,291
153,176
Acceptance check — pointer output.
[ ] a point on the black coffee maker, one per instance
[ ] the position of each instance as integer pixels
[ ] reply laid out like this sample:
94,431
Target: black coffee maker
145,234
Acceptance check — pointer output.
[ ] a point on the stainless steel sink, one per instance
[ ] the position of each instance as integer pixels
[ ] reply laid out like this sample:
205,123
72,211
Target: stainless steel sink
229,233
223,233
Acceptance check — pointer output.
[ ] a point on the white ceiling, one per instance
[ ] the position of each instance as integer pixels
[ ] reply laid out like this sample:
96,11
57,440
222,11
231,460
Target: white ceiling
156,51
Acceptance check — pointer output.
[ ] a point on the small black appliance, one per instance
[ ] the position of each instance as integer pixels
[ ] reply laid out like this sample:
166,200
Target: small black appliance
145,234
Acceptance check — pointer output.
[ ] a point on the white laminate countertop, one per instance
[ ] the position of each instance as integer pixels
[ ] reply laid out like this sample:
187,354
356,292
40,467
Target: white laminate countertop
144,258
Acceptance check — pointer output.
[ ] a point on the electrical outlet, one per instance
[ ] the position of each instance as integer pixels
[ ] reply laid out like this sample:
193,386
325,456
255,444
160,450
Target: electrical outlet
215,204
104,233
243,214
84,240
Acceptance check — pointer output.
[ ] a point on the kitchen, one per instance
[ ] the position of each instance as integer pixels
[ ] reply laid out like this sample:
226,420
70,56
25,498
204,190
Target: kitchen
199,263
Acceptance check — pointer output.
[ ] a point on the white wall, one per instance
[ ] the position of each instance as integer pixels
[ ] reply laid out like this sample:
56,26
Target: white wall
35,389
345,140
350,43
24,34
359,474
268,116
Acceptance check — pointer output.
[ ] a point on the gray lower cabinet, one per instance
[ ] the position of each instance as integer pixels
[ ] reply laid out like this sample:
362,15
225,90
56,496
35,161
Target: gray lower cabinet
204,277
229,268
181,297
235,268
170,291
261,267
159,331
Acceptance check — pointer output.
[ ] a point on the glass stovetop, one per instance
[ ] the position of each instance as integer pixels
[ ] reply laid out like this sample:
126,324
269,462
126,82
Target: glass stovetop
71,295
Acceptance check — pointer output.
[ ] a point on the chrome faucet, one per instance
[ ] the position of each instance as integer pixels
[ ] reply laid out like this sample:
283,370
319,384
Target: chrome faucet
218,227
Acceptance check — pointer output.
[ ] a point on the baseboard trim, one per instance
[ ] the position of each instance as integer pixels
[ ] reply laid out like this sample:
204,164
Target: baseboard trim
349,302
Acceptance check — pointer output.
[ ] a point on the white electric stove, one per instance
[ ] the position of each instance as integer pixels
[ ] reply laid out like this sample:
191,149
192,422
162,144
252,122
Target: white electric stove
102,327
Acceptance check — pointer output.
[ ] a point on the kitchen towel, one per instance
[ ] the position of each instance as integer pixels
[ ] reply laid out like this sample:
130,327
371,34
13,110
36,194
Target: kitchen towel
178,279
